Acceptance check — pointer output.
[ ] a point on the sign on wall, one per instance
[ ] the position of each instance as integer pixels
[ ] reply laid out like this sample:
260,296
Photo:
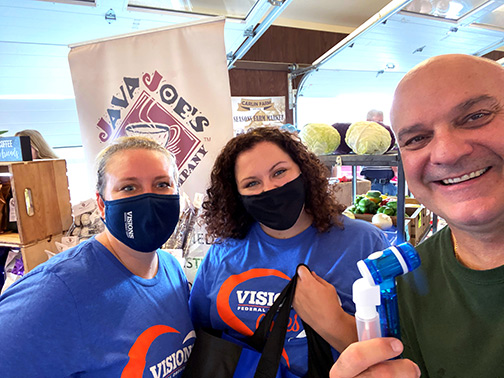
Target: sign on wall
251,112
169,84
15,148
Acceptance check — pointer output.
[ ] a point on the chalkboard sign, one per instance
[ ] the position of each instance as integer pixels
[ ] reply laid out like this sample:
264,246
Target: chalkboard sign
15,148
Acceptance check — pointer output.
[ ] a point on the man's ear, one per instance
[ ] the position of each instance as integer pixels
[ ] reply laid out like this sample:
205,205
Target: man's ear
101,205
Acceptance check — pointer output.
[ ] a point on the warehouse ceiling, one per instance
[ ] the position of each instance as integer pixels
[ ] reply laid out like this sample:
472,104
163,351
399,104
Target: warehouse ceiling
401,35
35,34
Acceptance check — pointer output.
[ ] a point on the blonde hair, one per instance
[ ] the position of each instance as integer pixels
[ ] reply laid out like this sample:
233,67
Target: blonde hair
128,143
37,141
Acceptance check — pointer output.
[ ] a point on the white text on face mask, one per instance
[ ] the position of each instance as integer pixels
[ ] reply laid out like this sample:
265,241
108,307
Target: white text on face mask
128,224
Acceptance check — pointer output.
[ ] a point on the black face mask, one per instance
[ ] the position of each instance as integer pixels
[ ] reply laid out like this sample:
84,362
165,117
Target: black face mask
278,208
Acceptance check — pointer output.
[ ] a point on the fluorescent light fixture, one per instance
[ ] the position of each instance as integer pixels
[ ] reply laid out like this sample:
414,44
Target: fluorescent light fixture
262,8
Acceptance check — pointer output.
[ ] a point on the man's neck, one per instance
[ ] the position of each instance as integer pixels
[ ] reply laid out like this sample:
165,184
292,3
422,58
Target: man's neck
479,251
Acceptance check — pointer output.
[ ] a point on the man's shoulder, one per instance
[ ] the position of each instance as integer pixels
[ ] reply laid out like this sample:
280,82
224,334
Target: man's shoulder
436,242
432,253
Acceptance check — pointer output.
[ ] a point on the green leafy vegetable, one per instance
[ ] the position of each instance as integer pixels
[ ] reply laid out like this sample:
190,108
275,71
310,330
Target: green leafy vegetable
368,138
320,138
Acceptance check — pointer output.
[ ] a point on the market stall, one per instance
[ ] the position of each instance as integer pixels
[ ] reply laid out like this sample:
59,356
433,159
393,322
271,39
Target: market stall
361,72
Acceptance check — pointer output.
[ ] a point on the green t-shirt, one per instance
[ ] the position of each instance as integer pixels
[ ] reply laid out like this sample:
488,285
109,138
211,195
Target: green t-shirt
452,317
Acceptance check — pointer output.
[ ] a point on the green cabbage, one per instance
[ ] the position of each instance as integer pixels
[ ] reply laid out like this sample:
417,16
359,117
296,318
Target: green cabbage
368,138
320,138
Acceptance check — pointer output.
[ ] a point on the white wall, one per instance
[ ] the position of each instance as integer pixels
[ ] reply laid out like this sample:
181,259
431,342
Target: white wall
351,107
56,120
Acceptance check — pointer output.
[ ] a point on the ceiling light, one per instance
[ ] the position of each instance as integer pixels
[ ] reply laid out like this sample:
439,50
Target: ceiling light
110,16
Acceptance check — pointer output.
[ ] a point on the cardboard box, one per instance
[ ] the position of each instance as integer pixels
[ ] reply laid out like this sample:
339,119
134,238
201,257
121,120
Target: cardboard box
417,222
420,219
343,190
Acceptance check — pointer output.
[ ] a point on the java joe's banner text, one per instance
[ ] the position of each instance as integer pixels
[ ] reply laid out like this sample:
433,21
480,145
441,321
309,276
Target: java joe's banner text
168,84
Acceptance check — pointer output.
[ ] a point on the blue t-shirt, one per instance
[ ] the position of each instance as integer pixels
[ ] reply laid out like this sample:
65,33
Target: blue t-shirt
83,313
240,279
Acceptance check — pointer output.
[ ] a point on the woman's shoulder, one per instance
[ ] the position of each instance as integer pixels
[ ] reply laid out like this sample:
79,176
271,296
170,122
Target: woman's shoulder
223,246
357,226
170,261
225,249
72,259
63,267
357,231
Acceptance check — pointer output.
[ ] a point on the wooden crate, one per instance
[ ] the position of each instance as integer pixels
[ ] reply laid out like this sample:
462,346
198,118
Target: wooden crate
43,208
34,254
46,184
420,219
417,222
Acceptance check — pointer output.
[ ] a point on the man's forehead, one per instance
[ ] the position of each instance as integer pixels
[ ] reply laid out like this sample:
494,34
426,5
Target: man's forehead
444,84
454,70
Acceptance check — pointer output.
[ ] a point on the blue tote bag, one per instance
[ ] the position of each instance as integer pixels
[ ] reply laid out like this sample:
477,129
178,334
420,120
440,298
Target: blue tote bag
218,355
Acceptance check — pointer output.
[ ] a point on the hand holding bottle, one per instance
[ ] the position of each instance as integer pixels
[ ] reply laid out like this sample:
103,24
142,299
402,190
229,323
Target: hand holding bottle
374,358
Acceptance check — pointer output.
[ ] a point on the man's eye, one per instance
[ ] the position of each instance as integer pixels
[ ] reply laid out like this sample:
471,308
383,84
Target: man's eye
416,142
163,185
477,117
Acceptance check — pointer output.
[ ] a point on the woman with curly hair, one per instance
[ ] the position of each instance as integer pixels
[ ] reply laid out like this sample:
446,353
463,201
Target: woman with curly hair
268,209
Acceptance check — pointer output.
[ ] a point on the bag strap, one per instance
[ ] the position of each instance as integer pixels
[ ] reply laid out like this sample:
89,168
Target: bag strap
320,358
282,306
269,338
274,342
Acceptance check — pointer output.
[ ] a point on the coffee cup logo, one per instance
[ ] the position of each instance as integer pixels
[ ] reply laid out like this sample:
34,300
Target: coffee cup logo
152,108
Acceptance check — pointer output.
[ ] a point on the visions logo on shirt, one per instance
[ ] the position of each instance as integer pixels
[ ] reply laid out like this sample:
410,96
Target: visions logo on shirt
244,298
168,366
174,361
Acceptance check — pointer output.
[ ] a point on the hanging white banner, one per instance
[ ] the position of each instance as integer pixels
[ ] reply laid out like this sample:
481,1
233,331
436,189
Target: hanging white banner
251,112
169,84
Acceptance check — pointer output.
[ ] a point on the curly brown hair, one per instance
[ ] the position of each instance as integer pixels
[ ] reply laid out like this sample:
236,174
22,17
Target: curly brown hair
223,211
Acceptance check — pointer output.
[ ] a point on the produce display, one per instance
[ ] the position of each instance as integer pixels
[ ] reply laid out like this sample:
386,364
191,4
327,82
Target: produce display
349,214
373,202
368,138
383,221
361,138
342,128
320,138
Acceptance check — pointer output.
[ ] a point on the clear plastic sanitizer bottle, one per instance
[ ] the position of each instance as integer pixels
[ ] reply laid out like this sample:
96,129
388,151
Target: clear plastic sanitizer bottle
366,297
381,268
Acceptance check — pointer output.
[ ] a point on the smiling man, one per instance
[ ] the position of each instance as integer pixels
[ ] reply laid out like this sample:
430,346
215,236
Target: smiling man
448,116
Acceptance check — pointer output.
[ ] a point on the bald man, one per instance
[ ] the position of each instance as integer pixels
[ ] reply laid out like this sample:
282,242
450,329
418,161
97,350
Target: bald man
449,120
448,117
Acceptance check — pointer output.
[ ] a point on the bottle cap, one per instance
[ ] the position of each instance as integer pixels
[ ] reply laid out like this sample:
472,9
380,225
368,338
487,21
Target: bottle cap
366,297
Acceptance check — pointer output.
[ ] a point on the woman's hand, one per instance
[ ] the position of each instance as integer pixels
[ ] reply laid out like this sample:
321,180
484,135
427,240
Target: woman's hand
317,303
371,358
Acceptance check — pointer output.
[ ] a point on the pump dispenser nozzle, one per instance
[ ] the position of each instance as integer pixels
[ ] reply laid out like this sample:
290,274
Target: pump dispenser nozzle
366,297
381,268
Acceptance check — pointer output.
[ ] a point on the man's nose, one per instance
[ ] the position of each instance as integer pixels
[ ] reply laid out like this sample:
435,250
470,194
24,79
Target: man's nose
448,146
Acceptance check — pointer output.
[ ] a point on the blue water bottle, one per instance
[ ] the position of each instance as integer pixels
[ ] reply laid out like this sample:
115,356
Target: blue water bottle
381,268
